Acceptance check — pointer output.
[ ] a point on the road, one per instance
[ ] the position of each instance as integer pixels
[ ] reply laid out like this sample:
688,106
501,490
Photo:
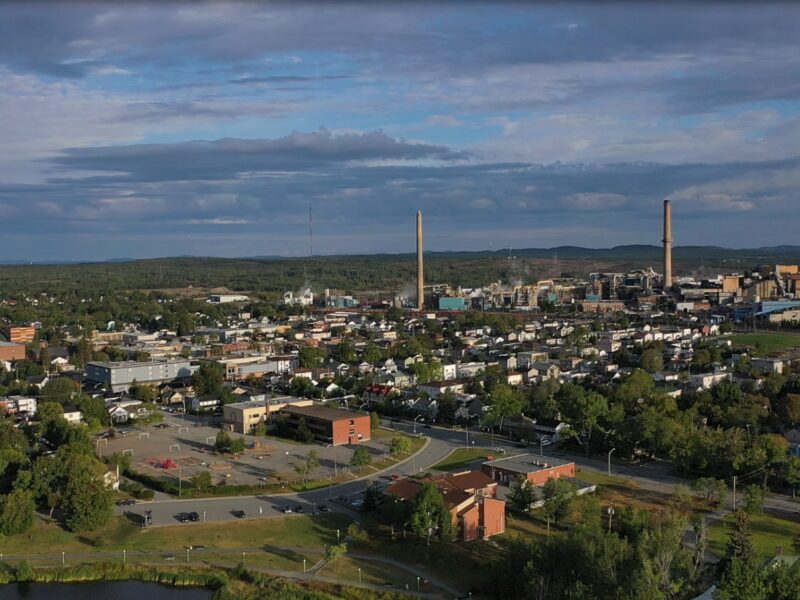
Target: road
654,476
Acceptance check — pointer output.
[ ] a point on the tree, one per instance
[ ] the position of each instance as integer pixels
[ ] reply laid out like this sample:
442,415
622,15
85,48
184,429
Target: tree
87,500
700,530
446,407
237,445
788,408
712,490
305,467
202,481
505,402
208,379
374,421
521,494
371,354
372,499
333,552
429,515
582,410
754,499
303,433
791,473
652,360
311,357
16,511
557,495
740,543
61,390
400,446
222,443
361,457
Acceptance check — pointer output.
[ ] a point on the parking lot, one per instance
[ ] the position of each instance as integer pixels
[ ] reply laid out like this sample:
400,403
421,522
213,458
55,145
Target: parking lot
181,449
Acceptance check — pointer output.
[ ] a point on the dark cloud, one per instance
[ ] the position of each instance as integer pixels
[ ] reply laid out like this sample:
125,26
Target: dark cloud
227,158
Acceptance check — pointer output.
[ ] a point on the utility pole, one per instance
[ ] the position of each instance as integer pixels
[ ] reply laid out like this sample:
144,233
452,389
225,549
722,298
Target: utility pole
609,461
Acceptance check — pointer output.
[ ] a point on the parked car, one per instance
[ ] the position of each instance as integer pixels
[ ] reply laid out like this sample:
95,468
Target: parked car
323,508
193,516
182,517
298,509
169,557
126,502
239,514
394,477
287,510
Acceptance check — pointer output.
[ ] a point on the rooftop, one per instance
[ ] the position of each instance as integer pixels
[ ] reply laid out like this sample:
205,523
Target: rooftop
527,463
128,364
324,412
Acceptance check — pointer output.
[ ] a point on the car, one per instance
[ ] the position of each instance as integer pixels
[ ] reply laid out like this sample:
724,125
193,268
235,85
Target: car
182,517
324,508
201,547
287,509
169,557
193,516
357,503
547,442
126,502
298,509
394,477
239,514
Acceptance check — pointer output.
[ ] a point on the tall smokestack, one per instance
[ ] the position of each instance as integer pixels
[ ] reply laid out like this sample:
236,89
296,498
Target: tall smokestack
420,267
667,245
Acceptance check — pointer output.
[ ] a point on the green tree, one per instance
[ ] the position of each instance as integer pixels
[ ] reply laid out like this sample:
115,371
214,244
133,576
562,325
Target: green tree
222,443
17,510
372,354
305,467
557,495
652,360
374,421
754,499
202,481
429,514
504,402
361,457
208,379
61,390
791,473
582,410
446,407
521,494
400,446
87,500
310,357
713,491
303,433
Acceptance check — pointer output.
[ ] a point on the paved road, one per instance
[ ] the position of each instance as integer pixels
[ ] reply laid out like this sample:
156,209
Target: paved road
654,476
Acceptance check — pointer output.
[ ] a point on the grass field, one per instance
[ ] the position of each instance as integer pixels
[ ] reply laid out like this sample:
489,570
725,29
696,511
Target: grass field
768,532
768,342
308,531
461,458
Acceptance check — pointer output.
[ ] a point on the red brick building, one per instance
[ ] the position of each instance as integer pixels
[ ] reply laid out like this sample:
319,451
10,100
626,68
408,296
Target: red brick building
9,351
470,497
535,468
330,425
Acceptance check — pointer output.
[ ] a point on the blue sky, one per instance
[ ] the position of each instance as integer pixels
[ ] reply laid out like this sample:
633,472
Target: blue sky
142,130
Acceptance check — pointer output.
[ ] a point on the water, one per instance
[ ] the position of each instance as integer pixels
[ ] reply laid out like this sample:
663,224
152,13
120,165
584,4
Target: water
118,590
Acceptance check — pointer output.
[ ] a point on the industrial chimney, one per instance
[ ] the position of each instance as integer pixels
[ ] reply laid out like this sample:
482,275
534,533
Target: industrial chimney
420,268
667,245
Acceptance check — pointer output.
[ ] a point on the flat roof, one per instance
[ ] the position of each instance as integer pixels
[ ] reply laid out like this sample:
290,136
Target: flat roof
324,412
127,364
14,344
266,402
527,463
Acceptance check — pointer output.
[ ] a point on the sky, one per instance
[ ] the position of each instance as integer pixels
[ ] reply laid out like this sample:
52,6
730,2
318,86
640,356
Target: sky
143,130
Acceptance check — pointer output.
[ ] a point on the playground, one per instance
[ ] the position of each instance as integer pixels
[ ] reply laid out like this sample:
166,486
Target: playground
181,450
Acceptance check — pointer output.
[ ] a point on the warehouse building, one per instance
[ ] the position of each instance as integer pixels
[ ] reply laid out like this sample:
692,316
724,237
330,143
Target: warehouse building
118,376
330,425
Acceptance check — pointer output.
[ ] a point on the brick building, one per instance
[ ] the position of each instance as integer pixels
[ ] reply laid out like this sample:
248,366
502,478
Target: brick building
471,498
330,425
11,351
535,468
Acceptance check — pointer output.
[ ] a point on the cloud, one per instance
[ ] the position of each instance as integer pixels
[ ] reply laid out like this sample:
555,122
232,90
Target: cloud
595,201
443,121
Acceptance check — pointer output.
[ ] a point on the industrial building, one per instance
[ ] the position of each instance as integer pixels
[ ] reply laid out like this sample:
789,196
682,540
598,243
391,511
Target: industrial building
118,376
330,425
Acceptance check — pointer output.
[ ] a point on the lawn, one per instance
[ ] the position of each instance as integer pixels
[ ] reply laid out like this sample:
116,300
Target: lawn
268,534
767,342
461,458
768,532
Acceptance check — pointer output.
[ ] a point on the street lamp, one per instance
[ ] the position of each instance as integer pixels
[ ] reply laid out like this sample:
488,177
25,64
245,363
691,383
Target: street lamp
610,511
337,536
180,481
418,584
609,461
466,432
204,517
304,565
415,422
359,574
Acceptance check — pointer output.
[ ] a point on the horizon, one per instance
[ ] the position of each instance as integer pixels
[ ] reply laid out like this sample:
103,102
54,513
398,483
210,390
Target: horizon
148,130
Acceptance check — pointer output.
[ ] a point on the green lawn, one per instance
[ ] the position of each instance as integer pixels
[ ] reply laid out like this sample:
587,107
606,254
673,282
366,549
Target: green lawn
461,458
767,342
768,532
306,531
